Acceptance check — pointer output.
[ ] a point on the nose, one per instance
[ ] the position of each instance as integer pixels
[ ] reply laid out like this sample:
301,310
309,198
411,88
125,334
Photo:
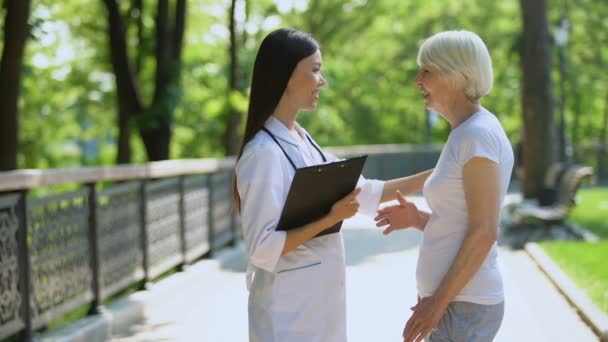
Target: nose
418,79
322,81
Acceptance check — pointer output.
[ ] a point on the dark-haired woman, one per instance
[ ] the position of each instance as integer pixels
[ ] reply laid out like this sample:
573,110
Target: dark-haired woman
297,282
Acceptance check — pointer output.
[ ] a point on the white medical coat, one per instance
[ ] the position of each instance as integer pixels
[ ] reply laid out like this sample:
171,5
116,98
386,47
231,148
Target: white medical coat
300,296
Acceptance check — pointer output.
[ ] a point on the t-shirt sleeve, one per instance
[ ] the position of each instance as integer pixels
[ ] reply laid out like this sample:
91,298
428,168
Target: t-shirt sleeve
477,142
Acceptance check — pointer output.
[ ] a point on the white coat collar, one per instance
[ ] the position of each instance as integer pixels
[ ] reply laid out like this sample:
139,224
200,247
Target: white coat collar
279,130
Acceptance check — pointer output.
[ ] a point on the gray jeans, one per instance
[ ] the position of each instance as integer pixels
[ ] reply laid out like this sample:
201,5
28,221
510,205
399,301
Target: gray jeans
468,322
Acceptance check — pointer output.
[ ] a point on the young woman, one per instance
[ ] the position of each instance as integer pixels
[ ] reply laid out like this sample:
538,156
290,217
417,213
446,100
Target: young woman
297,282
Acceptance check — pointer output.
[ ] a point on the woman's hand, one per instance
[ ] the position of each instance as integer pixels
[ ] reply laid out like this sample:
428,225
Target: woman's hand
346,207
398,216
427,314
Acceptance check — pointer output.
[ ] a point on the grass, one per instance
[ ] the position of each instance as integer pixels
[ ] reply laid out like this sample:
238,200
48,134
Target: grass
591,211
585,262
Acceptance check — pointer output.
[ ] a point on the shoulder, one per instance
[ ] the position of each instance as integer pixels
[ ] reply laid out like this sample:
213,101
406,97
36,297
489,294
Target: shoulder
259,153
482,127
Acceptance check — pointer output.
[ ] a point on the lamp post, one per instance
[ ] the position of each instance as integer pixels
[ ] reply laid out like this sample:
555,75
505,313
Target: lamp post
561,40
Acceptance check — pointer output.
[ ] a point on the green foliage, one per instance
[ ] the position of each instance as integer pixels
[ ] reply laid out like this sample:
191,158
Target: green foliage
591,211
68,104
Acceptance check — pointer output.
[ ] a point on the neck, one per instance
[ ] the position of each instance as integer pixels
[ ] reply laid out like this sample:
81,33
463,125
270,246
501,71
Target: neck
460,111
286,114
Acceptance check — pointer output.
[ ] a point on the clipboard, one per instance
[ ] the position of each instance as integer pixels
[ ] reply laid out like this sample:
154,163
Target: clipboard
314,189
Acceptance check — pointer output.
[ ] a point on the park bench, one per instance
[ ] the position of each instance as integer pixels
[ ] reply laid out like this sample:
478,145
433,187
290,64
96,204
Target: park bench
549,193
554,209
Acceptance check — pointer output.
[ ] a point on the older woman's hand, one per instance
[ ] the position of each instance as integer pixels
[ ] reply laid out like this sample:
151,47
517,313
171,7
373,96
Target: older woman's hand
398,216
426,316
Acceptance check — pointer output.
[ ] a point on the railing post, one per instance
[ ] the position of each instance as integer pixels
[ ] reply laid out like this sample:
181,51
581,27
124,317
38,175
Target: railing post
25,268
94,249
143,200
210,220
182,222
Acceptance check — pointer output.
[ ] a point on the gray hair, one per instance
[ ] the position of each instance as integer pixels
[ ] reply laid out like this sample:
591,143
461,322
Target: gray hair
462,58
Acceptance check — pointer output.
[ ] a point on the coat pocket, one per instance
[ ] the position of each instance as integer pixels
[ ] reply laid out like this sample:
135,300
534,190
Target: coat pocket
298,259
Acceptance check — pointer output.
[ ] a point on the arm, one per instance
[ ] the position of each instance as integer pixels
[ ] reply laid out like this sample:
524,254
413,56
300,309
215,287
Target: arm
481,187
406,185
341,210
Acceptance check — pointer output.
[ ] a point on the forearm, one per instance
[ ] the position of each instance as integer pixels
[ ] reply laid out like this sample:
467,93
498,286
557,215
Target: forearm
406,185
298,236
470,257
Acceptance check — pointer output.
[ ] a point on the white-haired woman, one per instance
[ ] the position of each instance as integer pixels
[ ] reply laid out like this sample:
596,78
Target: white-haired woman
460,290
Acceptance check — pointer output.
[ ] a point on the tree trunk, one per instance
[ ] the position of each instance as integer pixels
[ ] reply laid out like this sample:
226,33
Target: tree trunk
156,130
231,133
154,122
539,141
137,7
15,35
127,93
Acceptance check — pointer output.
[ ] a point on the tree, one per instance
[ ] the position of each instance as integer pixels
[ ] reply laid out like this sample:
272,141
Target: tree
15,35
235,88
539,137
154,121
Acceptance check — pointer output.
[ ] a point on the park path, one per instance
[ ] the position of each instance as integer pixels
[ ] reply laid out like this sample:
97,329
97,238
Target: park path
208,302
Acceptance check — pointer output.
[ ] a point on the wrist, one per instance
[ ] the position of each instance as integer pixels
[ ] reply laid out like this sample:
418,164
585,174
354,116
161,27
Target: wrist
328,221
421,220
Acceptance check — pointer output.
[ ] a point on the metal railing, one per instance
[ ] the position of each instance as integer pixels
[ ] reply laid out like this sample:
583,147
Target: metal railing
125,225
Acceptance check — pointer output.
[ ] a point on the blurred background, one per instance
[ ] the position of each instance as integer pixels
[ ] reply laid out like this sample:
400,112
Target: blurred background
86,85
106,82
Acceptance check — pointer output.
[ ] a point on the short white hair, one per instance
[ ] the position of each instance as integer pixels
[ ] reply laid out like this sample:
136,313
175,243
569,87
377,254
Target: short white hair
462,58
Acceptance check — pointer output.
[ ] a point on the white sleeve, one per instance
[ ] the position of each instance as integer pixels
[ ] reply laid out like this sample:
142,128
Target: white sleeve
260,186
369,198
479,142
371,191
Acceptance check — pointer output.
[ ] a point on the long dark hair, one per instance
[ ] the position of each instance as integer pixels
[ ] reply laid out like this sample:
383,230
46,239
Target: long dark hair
277,57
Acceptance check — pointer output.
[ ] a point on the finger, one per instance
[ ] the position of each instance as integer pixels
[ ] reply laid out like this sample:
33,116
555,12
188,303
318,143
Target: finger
382,223
380,217
388,230
423,333
352,195
413,331
389,208
382,211
407,332
401,199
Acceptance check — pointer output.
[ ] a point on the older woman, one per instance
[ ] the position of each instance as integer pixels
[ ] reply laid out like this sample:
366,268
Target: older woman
460,290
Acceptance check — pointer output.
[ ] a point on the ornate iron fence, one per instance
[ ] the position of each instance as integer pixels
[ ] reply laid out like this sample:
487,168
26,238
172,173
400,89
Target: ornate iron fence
126,224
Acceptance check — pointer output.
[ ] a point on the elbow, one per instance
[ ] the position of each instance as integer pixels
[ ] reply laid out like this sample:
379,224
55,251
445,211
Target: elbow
265,253
485,235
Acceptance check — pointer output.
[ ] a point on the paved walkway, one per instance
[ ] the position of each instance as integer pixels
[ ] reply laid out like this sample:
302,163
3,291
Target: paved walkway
208,302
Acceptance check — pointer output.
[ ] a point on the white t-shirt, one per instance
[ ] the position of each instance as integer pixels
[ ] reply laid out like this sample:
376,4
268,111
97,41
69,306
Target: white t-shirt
481,135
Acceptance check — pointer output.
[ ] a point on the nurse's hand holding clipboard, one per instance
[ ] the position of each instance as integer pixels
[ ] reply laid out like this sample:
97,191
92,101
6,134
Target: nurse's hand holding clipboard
345,208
